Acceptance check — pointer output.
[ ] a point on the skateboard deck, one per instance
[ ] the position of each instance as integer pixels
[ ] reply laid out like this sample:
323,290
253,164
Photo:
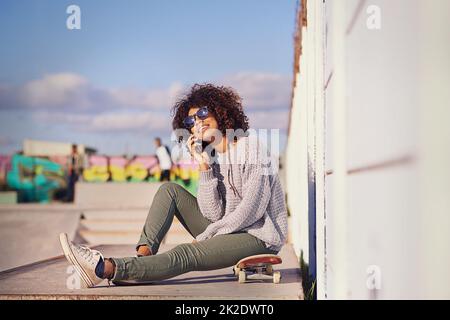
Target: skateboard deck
259,267
124,283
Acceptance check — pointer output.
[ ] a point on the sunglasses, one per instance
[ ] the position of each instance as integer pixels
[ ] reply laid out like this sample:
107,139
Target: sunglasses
201,113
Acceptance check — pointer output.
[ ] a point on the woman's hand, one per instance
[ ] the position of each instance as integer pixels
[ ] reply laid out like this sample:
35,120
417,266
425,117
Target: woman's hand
201,158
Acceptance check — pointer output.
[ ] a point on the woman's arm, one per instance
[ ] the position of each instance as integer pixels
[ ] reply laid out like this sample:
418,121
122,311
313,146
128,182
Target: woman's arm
252,208
208,197
256,196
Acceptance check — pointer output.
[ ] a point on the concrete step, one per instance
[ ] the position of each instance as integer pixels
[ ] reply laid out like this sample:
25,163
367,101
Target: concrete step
115,194
122,214
96,232
113,225
174,237
128,237
109,237
123,225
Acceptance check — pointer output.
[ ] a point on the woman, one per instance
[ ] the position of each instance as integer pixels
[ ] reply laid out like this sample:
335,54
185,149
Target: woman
239,210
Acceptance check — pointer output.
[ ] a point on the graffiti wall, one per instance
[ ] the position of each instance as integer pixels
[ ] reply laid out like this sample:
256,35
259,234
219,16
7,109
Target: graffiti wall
118,169
34,179
37,179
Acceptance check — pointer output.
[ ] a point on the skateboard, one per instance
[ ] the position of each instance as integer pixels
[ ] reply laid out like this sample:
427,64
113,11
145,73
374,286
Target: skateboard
259,267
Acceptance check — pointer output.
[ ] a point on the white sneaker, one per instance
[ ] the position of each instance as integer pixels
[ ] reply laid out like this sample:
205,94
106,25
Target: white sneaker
83,259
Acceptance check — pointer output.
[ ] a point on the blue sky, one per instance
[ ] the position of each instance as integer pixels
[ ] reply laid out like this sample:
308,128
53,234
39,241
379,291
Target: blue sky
110,85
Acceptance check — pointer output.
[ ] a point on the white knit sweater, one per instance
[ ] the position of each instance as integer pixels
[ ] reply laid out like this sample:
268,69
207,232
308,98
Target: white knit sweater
242,192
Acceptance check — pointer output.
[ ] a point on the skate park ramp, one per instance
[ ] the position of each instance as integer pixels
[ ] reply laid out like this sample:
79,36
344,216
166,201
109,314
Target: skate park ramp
30,234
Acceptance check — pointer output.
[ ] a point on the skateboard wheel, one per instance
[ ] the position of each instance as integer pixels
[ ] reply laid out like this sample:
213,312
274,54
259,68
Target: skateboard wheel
242,276
269,269
276,277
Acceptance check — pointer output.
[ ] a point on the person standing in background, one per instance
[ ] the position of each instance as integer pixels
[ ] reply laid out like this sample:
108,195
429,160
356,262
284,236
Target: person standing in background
164,159
181,155
75,169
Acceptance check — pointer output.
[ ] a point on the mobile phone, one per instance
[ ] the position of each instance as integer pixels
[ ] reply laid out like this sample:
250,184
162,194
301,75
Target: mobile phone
198,145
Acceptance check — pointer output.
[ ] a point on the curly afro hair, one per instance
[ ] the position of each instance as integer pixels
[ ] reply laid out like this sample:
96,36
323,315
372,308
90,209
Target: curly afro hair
223,102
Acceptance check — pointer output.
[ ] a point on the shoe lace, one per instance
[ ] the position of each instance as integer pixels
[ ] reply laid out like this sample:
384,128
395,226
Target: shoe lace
88,254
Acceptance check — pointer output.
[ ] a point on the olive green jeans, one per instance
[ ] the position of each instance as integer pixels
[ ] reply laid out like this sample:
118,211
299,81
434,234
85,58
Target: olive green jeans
218,252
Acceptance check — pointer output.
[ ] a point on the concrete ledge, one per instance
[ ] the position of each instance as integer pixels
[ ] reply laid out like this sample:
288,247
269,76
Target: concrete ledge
57,207
115,194
48,280
8,197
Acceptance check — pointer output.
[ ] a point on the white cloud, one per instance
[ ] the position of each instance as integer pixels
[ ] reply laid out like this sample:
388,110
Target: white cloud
122,121
70,92
152,98
55,90
73,93
70,99
261,90
143,121
269,120
61,117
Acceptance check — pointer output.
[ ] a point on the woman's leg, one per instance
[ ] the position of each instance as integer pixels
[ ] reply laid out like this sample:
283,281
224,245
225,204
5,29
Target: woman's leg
216,253
171,199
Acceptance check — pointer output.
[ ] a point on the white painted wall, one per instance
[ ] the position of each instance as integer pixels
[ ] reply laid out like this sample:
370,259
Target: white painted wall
384,204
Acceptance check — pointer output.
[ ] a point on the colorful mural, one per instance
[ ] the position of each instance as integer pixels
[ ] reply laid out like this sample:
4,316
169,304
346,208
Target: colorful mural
119,169
45,179
35,179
